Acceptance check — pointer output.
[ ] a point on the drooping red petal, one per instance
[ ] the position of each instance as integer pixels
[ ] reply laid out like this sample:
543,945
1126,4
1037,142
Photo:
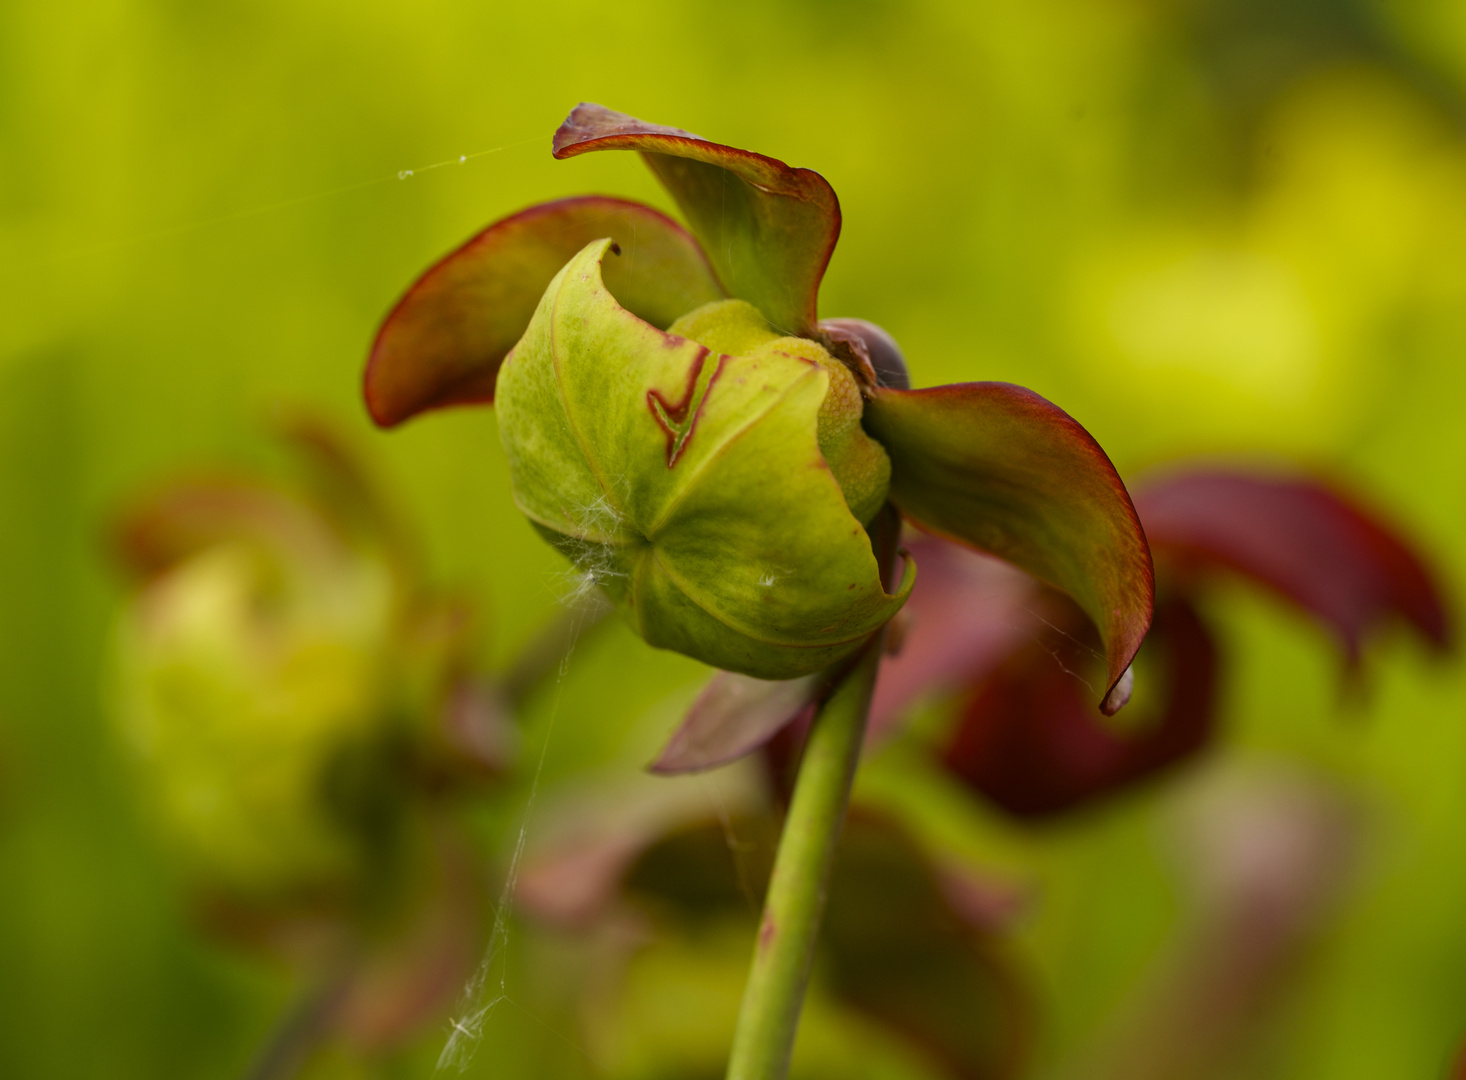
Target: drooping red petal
769,229
444,341
1029,741
999,468
1305,540
733,716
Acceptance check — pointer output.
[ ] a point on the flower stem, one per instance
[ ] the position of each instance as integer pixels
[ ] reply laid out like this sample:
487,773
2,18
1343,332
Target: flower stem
795,902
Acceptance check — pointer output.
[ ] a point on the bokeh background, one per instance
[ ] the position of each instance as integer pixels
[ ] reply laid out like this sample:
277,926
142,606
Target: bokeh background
1234,229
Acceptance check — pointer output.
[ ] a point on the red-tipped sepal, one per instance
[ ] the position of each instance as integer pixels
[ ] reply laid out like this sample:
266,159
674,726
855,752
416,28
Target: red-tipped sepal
769,229
444,341
999,468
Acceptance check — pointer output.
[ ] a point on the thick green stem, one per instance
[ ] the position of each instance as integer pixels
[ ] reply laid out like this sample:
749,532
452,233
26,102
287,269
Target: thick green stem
795,902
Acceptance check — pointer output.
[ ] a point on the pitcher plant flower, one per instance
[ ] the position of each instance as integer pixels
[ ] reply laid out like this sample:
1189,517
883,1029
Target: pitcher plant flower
727,466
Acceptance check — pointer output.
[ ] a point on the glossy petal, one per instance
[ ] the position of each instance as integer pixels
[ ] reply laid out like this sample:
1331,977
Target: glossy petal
734,715
444,341
769,229
646,459
1306,541
1030,743
998,467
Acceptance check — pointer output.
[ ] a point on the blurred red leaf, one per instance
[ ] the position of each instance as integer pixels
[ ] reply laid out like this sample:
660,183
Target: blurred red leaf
967,613
175,522
1307,542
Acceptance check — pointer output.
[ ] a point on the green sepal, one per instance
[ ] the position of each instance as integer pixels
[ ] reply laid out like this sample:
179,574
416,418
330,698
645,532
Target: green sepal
688,483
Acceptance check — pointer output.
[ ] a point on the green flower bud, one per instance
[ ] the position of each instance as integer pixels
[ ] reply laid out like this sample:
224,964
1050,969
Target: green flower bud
713,479
250,690
860,465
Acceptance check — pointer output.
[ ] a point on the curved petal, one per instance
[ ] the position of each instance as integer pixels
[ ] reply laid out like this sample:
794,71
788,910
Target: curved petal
1029,742
1308,542
996,466
444,341
733,716
769,229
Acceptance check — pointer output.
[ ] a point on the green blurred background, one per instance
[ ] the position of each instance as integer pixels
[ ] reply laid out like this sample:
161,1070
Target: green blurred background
1206,227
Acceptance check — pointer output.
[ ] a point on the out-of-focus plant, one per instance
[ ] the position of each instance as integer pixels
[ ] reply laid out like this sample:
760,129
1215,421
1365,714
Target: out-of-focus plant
1026,741
729,468
300,711
658,885
1265,853
1022,655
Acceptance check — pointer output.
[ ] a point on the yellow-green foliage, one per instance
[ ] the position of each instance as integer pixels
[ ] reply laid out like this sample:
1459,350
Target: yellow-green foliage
1200,228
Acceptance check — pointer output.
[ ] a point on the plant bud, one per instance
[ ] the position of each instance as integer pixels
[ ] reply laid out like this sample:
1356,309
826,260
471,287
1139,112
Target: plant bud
250,689
713,479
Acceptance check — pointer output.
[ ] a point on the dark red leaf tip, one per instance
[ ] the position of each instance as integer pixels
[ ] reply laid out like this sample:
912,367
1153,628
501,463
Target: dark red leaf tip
1304,539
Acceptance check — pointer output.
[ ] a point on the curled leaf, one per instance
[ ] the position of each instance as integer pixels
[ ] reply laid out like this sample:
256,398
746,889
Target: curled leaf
1305,541
444,341
769,229
998,467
